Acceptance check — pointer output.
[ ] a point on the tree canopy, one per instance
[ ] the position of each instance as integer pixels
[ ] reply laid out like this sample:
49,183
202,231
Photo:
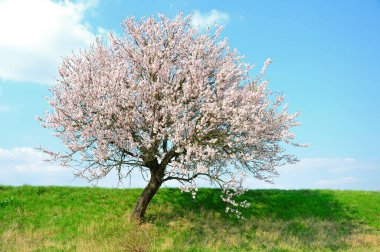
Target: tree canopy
172,102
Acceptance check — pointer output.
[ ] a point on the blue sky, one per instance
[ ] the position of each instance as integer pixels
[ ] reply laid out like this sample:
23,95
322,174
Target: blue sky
325,61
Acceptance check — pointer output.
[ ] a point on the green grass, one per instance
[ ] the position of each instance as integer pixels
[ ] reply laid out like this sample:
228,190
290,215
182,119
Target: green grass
96,219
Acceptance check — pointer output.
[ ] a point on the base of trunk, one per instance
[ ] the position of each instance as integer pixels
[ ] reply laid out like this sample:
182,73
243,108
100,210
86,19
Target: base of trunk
138,211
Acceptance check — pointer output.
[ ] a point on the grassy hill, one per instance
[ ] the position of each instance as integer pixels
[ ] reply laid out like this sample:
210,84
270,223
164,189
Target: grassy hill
96,219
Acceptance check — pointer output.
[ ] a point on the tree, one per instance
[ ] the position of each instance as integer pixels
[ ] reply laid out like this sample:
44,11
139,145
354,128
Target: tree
171,102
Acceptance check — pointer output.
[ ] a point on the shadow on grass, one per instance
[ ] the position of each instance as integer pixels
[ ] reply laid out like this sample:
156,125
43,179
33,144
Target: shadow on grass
276,204
313,218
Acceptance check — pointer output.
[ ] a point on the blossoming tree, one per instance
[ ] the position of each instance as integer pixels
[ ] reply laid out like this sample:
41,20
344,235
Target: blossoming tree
171,102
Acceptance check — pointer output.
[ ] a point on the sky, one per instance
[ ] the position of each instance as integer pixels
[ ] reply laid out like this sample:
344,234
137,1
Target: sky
326,61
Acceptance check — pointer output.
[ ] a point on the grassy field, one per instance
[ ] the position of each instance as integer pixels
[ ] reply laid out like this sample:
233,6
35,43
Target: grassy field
96,219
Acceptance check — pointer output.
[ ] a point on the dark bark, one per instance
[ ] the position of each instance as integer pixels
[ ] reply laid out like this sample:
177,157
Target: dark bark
156,180
142,202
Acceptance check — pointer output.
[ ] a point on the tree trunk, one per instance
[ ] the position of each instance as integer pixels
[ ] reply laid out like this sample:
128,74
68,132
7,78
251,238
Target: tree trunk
142,202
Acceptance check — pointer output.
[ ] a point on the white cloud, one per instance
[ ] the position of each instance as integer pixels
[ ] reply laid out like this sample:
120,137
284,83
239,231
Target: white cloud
25,160
35,34
332,173
328,183
25,165
4,108
101,30
332,165
209,19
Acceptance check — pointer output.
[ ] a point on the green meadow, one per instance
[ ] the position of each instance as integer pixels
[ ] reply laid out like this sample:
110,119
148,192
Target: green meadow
96,219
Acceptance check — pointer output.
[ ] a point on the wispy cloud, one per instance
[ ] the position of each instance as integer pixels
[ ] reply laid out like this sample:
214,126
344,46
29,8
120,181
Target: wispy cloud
332,165
25,165
204,20
4,108
328,183
25,160
332,173
101,31
36,33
